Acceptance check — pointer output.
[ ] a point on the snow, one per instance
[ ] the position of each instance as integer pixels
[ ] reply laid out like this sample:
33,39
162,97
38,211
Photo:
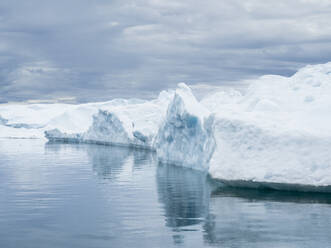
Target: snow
248,151
277,132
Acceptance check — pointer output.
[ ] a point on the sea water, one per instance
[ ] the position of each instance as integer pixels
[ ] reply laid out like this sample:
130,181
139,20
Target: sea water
78,195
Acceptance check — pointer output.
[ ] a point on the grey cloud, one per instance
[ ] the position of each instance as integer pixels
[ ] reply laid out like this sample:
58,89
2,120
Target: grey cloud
97,50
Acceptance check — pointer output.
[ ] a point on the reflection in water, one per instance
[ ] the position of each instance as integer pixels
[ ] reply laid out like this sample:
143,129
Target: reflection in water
107,161
184,194
143,158
79,195
254,218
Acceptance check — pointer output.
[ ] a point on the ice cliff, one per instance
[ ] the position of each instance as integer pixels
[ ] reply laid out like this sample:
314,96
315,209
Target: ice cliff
279,131
186,135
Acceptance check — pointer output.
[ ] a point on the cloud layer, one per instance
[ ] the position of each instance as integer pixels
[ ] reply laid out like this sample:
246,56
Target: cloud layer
96,50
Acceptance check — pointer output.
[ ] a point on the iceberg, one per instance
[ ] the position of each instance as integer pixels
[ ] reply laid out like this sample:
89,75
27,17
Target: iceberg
31,120
277,133
131,123
106,129
185,137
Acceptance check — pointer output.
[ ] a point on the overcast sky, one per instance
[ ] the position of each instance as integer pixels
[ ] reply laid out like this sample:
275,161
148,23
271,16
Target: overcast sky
97,50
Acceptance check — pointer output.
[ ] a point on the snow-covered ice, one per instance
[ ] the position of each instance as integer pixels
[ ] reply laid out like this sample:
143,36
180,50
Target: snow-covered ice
31,120
278,131
131,123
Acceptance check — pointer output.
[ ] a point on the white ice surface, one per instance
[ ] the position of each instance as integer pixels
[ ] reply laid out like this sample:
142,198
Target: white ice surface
36,118
279,131
32,120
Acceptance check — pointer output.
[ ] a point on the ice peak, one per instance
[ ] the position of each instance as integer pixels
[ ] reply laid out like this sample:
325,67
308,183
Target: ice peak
183,86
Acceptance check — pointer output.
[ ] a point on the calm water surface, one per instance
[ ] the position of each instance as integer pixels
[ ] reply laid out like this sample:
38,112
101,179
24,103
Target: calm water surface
67,195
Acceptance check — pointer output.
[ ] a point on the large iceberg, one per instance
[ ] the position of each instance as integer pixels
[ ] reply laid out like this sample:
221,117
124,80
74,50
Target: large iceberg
277,132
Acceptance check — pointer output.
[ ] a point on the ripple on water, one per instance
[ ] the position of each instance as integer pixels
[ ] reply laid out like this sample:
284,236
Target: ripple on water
76,195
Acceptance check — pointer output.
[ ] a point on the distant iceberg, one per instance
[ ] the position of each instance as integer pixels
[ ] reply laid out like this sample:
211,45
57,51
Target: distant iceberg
137,116
106,129
277,133
133,124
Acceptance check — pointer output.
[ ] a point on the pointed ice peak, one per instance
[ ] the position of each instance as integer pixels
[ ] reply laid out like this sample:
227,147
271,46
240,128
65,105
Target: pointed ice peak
183,86
185,97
